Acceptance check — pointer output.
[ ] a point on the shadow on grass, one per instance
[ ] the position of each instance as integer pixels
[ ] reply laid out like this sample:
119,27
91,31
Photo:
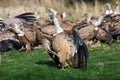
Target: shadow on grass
48,63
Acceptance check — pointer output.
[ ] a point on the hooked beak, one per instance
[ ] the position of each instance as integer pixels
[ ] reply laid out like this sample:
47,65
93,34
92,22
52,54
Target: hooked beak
51,16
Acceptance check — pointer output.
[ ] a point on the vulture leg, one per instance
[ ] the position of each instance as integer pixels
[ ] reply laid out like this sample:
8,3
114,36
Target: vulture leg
28,47
53,55
24,41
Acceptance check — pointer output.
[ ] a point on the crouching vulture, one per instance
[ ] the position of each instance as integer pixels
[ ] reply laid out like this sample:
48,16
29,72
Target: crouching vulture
66,47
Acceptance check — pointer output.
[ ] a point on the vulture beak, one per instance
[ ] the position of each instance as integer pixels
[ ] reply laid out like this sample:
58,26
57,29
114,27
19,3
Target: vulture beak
51,16
108,6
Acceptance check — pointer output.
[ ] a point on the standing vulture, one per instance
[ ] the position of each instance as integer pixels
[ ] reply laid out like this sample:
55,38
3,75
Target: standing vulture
65,46
108,9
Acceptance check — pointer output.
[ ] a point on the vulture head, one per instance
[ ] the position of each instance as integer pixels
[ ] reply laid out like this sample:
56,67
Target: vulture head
108,9
117,11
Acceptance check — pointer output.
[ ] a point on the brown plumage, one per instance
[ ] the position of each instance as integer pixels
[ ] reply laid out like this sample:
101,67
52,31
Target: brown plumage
91,32
67,24
65,45
61,45
111,24
21,26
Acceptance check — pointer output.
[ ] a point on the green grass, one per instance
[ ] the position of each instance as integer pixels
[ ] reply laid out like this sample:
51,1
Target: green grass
103,64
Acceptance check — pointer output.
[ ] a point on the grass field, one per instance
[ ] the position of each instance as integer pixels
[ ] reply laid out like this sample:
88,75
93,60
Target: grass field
103,64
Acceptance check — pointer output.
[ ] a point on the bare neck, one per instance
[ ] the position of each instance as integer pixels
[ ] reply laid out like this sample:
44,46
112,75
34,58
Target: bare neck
58,27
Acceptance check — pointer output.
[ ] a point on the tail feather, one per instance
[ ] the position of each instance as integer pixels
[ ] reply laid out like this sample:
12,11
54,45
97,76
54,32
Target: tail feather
82,51
85,55
81,57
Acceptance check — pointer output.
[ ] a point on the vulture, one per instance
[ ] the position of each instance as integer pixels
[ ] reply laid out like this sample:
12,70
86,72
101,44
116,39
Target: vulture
66,47
8,40
20,25
111,24
117,9
90,32
108,9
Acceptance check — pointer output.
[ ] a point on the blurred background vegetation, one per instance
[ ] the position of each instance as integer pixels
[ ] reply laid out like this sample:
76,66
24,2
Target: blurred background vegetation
74,8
